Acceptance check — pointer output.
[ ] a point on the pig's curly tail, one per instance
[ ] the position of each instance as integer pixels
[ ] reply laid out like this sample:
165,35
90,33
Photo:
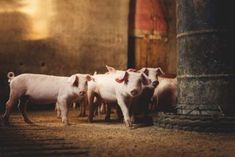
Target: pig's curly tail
10,76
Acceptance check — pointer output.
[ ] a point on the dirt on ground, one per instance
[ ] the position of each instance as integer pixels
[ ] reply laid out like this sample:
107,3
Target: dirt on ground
48,137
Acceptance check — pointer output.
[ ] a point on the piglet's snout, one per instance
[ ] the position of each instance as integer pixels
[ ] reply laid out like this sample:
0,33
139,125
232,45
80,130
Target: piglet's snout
82,93
155,83
134,92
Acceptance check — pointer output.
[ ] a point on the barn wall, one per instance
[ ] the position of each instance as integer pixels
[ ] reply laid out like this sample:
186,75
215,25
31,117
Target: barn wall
157,52
61,37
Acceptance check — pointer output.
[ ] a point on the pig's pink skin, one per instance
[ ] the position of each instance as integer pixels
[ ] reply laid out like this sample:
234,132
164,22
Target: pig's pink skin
140,104
45,89
112,87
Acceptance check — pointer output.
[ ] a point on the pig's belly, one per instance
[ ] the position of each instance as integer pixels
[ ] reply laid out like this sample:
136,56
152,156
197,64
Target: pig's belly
43,98
108,96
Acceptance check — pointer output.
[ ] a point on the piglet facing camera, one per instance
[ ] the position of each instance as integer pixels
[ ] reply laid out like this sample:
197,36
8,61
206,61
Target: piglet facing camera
116,86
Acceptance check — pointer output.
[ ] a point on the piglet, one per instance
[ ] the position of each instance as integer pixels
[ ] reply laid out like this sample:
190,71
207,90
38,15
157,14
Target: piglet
165,95
44,89
116,86
140,104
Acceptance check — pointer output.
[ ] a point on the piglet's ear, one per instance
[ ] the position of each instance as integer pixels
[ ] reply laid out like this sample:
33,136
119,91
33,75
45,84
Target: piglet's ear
145,71
110,69
123,78
73,80
89,78
160,71
146,81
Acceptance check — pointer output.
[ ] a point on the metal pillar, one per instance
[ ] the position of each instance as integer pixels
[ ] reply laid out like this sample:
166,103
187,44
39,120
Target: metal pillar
206,66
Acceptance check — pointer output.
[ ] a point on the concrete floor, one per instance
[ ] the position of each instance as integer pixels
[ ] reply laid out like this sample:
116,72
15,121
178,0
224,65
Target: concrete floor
50,138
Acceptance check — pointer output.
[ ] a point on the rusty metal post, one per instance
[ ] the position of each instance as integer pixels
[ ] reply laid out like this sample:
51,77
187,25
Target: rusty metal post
206,67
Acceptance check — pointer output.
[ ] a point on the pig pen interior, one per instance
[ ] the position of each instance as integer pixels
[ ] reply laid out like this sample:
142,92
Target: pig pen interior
59,37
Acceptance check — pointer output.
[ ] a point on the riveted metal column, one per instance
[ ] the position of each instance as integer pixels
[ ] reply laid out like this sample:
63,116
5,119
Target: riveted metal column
206,66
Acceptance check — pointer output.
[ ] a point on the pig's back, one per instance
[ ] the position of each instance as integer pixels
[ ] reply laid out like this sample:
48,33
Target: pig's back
40,88
106,86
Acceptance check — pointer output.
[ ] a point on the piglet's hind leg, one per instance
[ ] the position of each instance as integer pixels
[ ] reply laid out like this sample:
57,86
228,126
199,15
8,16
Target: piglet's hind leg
22,107
9,106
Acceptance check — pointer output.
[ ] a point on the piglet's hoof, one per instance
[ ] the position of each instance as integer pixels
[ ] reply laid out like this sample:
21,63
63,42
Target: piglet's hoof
65,122
129,124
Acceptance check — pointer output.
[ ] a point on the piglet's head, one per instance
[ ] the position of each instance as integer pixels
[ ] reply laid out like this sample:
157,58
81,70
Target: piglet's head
133,82
152,74
79,82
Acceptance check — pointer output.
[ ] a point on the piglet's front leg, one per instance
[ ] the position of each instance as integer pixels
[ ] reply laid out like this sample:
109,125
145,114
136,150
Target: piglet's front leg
58,112
63,106
122,104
